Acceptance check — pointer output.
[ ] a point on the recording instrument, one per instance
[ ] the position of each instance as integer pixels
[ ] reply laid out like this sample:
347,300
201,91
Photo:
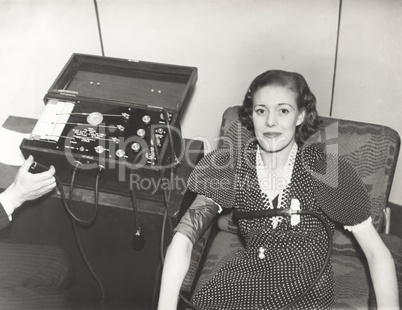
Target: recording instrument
113,125
118,114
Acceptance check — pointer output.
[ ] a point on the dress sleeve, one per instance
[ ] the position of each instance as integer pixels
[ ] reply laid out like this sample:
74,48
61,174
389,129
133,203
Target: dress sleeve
340,191
197,218
215,177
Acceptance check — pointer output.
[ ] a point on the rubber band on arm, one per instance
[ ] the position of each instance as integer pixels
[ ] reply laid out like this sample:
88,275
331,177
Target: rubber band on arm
197,218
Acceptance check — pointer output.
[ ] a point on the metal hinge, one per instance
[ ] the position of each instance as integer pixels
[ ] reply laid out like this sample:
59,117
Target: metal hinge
71,93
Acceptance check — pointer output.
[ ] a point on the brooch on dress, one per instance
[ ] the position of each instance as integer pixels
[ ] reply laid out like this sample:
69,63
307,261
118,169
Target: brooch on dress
261,251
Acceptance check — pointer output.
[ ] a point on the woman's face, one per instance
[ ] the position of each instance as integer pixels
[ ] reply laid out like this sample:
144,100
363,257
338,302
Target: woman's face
275,117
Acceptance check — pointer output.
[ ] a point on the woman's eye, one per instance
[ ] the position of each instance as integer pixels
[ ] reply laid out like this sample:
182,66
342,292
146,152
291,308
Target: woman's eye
259,111
283,111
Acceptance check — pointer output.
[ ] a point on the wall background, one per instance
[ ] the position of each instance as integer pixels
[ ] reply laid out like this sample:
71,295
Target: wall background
229,41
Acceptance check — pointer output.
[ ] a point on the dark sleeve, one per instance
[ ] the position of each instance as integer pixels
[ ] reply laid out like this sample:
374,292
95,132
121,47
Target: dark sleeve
339,190
214,177
197,218
4,221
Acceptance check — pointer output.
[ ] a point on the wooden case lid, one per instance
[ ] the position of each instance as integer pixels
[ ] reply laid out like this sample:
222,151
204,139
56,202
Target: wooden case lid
126,82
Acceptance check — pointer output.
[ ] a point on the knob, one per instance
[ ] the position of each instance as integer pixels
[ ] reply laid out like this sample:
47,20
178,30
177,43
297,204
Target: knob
120,153
94,118
99,149
135,146
141,133
146,119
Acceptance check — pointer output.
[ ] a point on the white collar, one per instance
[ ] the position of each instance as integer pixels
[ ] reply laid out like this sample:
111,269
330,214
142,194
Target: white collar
288,169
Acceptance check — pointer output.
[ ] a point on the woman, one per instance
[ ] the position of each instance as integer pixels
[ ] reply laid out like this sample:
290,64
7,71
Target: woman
278,170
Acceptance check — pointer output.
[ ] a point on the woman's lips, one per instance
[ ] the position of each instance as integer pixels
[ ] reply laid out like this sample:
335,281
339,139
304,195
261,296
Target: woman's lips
272,134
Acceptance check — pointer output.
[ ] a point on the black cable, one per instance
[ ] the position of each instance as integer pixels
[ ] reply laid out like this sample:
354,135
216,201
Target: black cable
166,201
188,302
87,263
74,222
170,136
327,257
99,27
172,167
336,56
166,195
155,291
68,206
135,208
138,241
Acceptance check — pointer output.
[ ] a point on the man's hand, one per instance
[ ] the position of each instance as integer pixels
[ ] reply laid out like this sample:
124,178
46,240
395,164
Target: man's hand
28,186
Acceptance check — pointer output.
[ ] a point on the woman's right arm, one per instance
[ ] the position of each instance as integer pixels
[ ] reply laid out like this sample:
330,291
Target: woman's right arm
177,262
192,226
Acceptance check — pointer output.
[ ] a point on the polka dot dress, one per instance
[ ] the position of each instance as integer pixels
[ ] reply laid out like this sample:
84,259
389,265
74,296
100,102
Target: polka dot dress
281,259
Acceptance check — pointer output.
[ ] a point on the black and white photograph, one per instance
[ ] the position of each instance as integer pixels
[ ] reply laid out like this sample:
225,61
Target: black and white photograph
200,154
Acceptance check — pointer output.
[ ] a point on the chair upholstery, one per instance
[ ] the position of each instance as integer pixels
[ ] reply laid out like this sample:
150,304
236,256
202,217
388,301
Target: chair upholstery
373,151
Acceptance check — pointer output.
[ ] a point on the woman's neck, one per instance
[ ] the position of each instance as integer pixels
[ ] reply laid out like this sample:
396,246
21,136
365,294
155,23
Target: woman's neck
276,161
274,170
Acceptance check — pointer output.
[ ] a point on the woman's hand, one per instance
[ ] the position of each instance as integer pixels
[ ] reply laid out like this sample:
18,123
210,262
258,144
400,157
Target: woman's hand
29,186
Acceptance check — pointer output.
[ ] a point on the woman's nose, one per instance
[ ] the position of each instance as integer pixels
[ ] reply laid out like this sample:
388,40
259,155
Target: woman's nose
271,120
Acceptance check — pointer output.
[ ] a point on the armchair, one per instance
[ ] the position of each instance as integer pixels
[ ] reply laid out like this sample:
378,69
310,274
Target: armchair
373,150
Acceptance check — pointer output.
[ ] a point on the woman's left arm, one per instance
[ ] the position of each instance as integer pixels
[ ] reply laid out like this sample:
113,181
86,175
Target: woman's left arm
381,265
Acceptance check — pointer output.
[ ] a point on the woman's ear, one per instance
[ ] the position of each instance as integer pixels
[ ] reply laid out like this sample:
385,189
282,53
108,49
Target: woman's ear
300,118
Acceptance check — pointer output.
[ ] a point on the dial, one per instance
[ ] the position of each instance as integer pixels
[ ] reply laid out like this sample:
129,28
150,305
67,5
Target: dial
94,118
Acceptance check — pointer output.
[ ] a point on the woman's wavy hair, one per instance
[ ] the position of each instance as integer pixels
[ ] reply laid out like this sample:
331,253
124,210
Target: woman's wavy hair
305,99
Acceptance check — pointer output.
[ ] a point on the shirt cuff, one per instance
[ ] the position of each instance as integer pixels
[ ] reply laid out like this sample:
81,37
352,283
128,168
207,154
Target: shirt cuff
360,226
7,206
